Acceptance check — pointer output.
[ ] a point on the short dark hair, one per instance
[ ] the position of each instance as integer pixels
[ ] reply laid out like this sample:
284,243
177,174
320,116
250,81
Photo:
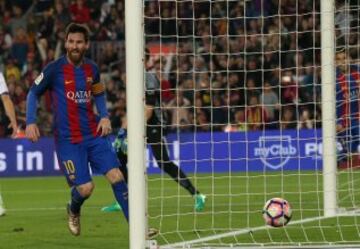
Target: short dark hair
77,28
340,49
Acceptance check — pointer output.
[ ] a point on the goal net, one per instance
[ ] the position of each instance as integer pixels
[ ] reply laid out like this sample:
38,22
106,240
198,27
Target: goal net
241,115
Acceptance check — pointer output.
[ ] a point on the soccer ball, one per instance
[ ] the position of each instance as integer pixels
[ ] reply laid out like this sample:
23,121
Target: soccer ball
277,212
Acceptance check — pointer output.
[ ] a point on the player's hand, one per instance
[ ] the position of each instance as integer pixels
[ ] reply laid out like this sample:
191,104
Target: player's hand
339,128
104,127
13,126
32,132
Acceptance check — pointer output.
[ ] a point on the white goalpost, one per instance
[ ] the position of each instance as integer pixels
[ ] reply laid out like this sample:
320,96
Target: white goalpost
328,106
252,95
136,130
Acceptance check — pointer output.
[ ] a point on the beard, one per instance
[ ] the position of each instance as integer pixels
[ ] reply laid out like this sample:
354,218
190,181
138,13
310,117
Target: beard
342,68
75,56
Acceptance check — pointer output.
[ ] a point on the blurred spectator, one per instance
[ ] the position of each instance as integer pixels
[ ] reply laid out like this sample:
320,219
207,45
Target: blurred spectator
5,42
305,121
255,114
343,18
61,14
80,12
21,114
288,118
19,20
270,101
46,25
202,121
289,90
239,123
19,95
219,113
109,55
309,86
251,88
178,108
218,63
20,47
12,72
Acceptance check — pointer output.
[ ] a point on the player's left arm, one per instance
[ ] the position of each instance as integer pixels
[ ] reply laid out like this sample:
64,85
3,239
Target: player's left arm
98,91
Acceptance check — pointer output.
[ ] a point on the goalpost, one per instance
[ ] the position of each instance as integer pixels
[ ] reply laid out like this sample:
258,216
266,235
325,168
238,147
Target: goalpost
249,88
328,106
136,130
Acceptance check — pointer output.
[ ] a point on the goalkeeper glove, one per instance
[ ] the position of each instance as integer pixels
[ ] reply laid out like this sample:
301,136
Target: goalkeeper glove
121,142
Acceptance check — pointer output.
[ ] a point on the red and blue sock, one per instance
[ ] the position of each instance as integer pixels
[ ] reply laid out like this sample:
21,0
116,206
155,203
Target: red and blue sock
77,200
121,194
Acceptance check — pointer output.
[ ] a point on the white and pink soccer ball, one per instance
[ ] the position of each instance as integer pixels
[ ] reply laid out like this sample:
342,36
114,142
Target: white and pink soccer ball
277,212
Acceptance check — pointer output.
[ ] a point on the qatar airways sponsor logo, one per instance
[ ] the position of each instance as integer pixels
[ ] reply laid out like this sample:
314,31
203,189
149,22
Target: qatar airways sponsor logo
79,96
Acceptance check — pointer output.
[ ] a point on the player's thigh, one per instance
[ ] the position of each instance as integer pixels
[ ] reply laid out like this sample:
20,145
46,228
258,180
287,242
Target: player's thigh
73,162
154,134
102,155
160,152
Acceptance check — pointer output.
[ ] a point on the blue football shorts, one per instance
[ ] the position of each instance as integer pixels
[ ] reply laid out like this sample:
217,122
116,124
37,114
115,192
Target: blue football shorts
76,160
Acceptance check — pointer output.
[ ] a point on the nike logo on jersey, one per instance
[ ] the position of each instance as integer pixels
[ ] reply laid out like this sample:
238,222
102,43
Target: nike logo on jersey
68,82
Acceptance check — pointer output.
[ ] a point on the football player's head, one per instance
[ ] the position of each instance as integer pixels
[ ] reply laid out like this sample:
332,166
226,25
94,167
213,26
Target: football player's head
341,59
76,42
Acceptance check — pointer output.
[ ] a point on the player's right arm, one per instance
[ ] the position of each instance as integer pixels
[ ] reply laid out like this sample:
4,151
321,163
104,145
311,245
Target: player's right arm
341,104
41,83
8,105
10,112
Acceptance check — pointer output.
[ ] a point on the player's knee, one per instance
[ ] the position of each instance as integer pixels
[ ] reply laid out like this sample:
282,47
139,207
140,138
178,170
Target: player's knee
114,176
86,189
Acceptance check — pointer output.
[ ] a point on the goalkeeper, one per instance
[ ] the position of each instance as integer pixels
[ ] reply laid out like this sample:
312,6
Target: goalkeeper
155,139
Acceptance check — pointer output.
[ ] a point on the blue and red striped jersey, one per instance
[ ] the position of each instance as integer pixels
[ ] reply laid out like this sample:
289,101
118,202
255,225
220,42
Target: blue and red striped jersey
347,97
72,89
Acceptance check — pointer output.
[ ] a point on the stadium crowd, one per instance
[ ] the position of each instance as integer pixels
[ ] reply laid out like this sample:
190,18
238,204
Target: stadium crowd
223,65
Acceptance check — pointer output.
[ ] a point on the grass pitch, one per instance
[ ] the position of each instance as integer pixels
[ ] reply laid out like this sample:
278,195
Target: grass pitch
36,216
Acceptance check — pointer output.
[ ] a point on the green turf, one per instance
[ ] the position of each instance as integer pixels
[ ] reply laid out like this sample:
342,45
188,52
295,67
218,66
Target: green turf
36,216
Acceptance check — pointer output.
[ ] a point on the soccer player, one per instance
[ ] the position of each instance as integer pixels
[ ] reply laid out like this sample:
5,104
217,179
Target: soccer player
81,137
8,106
10,113
347,105
155,139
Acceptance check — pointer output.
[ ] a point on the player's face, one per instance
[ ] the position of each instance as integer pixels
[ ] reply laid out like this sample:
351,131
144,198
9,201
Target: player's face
76,47
341,61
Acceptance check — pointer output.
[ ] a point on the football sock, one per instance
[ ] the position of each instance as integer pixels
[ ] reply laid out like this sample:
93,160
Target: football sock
121,194
185,183
179,176
76,201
